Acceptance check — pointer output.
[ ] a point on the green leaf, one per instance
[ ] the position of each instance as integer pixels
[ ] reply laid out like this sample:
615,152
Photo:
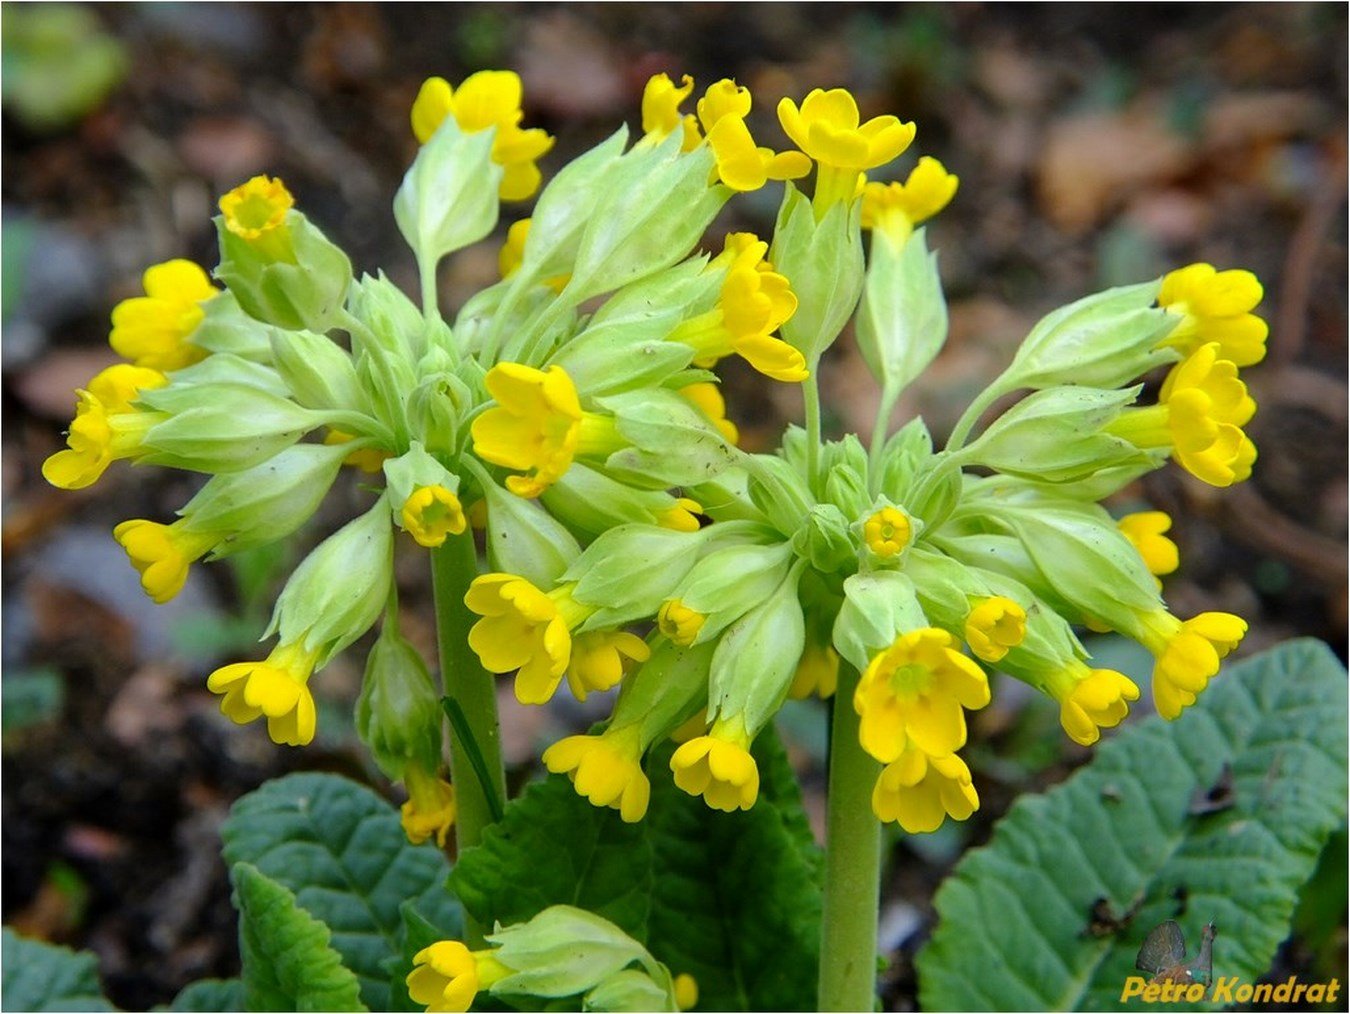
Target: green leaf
287,963
207,995
1013,930
43,977
733,899
341,849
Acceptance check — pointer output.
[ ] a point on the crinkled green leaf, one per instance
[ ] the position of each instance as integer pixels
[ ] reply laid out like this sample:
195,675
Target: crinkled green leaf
207,995
287,963
733,899
1014,918
43,977
341,849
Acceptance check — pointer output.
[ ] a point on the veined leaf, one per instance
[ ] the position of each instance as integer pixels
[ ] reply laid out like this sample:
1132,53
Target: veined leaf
341,849
287,963
1132,828
44,977
207,995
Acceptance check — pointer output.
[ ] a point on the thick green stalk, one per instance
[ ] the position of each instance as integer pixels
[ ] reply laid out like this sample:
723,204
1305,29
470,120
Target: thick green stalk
473,690
848,945
811,395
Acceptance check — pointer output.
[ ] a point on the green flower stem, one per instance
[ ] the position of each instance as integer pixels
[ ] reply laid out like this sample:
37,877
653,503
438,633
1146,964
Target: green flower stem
848,946
811,394
431,309
973,411
880,428
453,566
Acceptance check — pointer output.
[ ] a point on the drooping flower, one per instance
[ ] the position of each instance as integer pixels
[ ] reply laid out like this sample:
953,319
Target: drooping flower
538,426
525,630
919,791
1215,306
106,428
1186,654
894,209
447,976
681,516
600,658
163,554
678,622
817,673
994,625
1199,416
661,116
153,330
606,769
487,99
707,398
368,459
1090,699
430,809
1145,531
431,514
888,532
741,163
277,688
914,691
719,767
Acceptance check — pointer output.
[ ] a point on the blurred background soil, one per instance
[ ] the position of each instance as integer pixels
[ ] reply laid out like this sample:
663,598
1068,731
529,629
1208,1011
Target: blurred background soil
1096,145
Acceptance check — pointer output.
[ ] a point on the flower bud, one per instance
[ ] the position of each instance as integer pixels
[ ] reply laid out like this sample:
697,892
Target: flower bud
665,691
221,428
226,328
391,318
877,607
902,318
823,261
757,658
674,444
398,715
228,368
523,538
318,373
448,198
779,490
434,410
823,540
632,569
727,583
340,588
591,502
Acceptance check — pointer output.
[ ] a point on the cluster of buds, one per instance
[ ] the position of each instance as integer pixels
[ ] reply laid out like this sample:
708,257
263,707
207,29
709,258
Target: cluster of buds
572,409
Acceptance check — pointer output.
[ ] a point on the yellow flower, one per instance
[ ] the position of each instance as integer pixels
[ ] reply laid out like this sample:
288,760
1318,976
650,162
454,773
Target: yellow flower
1090,699
888,532
894,209
1186,654
1145,530
162,553
523,629
753,303
695,725
919,791
741,164
106,428
256,212
1215,306
512,255
707,398
686,991
722,99
719,767
827,128
152,330
913,692
682,516
538,426
678,622
276,688
447,976
995,625
606,769
368,459
430,809
490,98
431,514
661,116
600,658
817,673
1200,413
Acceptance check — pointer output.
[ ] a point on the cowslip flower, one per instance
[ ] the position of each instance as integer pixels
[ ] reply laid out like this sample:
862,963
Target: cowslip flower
741,163
1200,413
661,116
447,976
430,809
256,211
914,691
994,625
163,554
1090,699
1186,654
888,532
827,127
277,687
107,427
153,330
678,622
1145,531
512,255
894,209
606,769
538,426
680,516
817,673
368,459
600,658
707,398
919,791
525,630
431,514
719,767
1215,306
487,99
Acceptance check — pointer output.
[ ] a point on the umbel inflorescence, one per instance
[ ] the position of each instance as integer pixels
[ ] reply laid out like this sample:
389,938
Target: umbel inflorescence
570,411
